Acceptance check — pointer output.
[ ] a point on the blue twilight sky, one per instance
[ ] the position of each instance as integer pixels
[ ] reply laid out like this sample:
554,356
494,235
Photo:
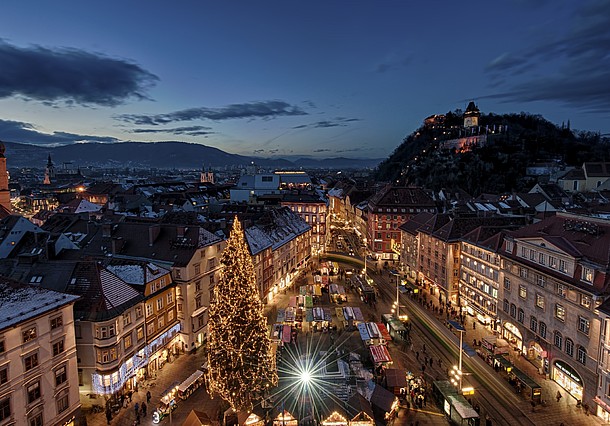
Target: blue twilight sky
289,78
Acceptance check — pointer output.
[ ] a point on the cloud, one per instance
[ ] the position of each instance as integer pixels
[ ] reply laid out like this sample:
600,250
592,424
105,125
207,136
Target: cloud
337,122
70,76
321,150
573,69
18,131
392,65
251,110
190,131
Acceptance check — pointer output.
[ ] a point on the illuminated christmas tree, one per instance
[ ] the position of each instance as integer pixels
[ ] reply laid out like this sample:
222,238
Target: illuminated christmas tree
240,361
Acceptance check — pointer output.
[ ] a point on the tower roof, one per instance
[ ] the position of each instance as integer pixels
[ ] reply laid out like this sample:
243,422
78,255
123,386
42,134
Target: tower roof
471,109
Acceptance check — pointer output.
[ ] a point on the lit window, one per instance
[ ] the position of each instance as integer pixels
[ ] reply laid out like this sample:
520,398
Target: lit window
587,274
540,301
29,334
522,292
560,312
56,322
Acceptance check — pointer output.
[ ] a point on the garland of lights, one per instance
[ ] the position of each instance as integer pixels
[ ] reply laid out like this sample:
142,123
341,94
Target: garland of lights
239,357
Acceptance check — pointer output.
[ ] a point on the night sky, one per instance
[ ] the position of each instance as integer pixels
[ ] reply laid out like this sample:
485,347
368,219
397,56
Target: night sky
291,78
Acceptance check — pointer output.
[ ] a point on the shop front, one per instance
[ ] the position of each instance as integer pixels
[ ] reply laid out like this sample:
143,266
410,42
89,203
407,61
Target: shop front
536,355
568,378
511,333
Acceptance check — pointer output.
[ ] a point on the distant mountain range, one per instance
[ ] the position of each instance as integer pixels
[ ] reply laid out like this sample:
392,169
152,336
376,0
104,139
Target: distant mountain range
160,155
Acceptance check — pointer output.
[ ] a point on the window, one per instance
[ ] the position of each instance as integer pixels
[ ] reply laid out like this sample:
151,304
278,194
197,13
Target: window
127,342
5,408
560,312
509,246
2,349
570,347
522,292
553,262
36,420
170,315
583,325
532,255
56,322
170,298
150,328
140,333
513,310
506,305
540,301
558,339
541,258
562,266
523,272
523,252
149,309
28,334
159,303
507,283
584,301
62,403
520,315
58,347
561,290
126,319
197,268
581,355
533,324
161,323
542,330
3,375
31,361
587,274
33,392
198,286
139,312
60,376
540,280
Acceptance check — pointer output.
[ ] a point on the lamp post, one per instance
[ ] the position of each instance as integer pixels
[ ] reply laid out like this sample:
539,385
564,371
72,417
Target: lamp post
457,370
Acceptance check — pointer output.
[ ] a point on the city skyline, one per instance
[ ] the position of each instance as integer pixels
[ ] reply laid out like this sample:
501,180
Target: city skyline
348,79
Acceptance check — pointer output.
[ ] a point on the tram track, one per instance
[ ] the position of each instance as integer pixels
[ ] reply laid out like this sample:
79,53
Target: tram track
493,394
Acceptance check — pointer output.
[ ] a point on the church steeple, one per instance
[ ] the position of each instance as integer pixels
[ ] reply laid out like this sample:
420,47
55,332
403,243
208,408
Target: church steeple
49,171
5,192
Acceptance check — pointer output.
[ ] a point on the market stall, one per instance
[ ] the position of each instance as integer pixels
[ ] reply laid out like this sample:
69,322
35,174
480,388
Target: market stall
190,385
384,332
380,355
337,293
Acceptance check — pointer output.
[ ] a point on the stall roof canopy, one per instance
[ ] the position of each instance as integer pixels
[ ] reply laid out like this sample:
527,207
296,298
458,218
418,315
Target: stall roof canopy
396,378
462,407
524,378
382,398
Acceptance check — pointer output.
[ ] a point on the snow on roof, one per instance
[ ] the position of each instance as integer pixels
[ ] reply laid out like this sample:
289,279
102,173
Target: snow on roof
87,206
138,273
206,238
20,302
116,291
283,225
335,192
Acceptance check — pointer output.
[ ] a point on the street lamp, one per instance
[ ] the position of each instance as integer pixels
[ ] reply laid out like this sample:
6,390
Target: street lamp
456,372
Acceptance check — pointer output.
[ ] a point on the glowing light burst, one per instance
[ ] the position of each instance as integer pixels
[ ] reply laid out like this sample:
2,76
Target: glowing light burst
307,381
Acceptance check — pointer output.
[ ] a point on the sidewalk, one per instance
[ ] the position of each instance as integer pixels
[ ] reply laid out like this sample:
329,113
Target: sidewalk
176,371
551,412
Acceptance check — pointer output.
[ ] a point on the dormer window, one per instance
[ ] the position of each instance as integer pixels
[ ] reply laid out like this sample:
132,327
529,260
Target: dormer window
587,275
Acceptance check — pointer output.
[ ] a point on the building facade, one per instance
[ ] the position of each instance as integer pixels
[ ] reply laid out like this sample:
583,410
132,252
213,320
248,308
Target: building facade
554,276
38,361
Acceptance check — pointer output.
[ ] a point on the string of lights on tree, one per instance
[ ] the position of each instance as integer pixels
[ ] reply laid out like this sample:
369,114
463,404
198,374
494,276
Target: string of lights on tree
240,361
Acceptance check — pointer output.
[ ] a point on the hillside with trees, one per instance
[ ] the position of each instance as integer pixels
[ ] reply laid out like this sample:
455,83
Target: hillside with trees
498,166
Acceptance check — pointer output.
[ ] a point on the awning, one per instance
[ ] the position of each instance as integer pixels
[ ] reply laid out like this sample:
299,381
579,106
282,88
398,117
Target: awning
380,354
384,331
364,334
190,380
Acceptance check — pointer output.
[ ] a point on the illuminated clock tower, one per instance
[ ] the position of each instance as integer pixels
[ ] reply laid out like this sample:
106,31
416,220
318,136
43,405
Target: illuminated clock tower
471,116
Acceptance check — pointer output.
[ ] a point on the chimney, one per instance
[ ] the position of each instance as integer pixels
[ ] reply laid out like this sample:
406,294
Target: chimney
153,233
117,245
106,230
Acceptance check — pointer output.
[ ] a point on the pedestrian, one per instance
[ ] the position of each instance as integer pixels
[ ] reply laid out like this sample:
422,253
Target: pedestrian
474,325
108,414
558,396
148,396
137,409
424,348
129,395
417,355
431,361
144,408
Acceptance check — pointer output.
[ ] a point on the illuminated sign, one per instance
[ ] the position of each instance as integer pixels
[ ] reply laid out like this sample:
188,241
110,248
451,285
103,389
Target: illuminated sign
568,371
